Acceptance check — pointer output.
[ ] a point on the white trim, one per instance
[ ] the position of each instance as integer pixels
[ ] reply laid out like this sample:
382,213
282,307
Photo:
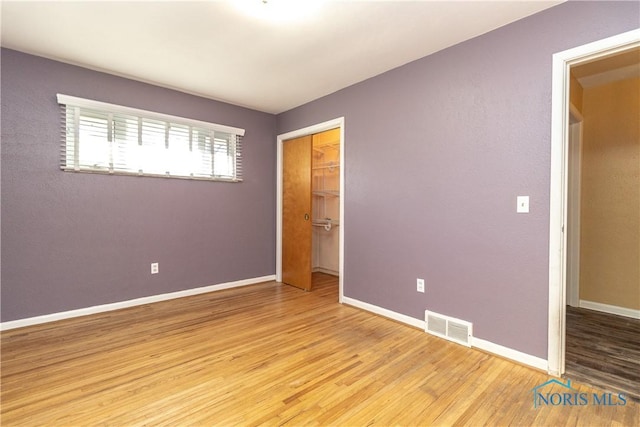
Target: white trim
499,350
562,61
574,176
509,353
331,124
402,318
114,108
130,303
611,309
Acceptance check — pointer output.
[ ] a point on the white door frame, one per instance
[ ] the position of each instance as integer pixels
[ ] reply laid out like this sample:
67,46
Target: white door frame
320,127
574,180
562,61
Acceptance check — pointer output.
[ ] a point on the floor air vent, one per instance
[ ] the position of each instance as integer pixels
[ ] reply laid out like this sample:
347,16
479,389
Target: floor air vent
448,328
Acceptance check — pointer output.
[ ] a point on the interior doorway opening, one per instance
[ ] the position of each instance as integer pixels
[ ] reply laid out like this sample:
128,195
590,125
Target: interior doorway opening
559,243
603,224
325,212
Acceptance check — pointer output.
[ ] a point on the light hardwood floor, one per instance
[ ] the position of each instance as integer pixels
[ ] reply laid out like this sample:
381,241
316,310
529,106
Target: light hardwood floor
265,354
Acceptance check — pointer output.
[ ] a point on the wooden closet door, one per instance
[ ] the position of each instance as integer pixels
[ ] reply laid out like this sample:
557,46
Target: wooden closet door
296,212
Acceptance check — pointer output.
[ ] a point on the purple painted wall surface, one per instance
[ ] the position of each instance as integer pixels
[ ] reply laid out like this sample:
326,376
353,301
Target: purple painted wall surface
436,153
75,240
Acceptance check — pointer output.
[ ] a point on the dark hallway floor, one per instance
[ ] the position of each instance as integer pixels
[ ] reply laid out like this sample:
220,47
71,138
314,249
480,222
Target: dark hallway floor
603,350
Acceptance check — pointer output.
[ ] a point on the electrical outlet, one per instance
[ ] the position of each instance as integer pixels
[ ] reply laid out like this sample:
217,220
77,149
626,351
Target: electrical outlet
420,285
154,268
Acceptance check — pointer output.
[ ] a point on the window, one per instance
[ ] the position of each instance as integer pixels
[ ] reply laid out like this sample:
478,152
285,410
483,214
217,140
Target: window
105,138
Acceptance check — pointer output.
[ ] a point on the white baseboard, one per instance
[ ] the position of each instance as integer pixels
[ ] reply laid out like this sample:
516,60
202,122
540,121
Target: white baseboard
130,303
511,354
384,312
611,309
325,270
488,346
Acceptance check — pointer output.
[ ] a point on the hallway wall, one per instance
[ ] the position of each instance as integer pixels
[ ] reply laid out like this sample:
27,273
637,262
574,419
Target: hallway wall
610,205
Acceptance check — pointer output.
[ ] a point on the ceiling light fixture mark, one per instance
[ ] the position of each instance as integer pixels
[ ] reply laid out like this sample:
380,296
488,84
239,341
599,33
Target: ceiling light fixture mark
279,11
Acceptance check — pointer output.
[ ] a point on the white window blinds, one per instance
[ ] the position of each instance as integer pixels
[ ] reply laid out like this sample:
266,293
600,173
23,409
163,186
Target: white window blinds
105,138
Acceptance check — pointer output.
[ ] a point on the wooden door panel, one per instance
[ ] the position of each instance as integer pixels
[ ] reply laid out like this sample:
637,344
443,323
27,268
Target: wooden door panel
296,212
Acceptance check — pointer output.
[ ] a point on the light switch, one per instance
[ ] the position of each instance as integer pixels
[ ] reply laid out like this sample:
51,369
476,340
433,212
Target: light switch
522,204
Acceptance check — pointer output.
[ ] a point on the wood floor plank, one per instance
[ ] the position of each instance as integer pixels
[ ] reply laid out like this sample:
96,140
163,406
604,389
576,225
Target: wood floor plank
603,350
267,354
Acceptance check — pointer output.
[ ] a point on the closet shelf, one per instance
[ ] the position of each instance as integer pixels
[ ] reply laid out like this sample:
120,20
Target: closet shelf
326,193
327,165
326,223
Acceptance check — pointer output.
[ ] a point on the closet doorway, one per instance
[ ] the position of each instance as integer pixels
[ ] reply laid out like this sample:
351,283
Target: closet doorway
310,205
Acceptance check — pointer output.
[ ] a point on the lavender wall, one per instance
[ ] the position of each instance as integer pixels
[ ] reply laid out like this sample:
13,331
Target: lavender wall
76,240
436,153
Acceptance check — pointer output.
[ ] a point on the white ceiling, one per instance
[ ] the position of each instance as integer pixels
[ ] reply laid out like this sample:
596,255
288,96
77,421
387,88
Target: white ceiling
619,66
250,56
